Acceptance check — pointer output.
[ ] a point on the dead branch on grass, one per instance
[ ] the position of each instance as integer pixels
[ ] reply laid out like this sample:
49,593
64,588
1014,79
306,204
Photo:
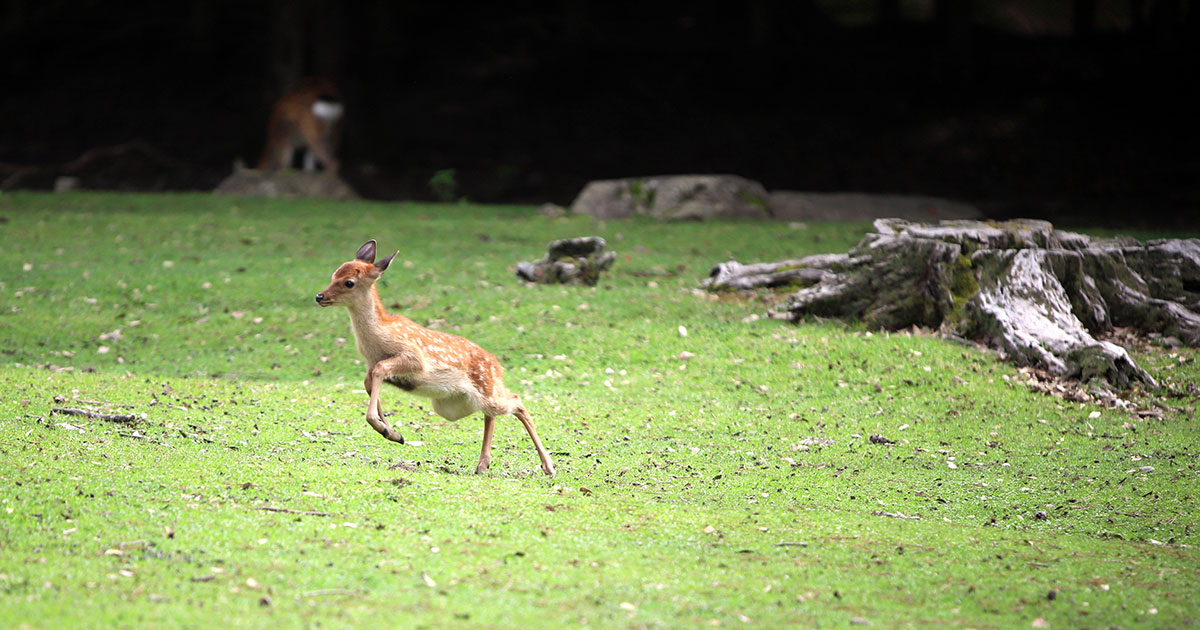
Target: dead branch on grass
271,508
86,413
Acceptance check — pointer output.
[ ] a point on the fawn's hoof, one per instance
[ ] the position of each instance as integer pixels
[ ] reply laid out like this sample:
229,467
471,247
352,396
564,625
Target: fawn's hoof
383,429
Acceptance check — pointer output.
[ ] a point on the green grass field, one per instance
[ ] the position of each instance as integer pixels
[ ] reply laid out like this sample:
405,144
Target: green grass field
735,488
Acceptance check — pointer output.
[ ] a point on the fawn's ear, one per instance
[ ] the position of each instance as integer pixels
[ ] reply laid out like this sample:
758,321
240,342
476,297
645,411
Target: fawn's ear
366,253
383,264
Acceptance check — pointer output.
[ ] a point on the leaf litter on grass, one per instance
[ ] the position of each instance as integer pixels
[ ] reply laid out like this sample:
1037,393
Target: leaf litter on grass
764,437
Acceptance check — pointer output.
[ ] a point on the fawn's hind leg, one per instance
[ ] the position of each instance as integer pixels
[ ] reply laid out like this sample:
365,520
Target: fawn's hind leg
522,414
485,455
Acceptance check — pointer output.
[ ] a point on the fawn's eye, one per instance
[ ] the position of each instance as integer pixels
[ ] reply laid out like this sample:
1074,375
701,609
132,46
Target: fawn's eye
349,284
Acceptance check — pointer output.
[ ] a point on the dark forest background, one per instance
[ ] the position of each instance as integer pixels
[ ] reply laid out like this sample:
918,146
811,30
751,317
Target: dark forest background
1076,110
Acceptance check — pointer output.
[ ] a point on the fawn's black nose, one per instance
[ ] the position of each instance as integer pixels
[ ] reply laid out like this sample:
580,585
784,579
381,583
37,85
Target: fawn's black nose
320,298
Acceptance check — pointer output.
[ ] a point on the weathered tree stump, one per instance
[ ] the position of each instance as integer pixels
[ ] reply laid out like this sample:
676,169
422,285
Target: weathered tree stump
569,261
1037,294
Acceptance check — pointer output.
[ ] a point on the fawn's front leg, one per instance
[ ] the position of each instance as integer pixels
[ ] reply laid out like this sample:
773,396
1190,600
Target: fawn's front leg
376,420
400,364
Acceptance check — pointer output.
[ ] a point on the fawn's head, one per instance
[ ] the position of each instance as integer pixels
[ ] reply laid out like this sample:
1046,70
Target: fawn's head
356,277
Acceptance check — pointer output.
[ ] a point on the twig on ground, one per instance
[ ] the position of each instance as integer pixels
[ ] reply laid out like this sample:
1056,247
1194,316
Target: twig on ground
895,515
97,403
271,508
333,591
111,417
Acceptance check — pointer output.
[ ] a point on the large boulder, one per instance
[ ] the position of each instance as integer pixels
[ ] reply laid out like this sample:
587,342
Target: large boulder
791,205
287,183
674,197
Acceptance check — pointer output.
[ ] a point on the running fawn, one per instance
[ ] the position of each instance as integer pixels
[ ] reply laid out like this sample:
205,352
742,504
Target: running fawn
459,376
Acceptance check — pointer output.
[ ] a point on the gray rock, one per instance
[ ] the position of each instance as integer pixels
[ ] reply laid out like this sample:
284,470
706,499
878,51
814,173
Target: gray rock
789,205
674,197
66,183
286,183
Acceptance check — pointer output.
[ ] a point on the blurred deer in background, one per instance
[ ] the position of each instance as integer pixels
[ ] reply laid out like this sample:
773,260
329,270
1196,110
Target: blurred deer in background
308,116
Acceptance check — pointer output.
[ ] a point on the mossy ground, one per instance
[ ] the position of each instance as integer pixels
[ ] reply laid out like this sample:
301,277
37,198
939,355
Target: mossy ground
714,470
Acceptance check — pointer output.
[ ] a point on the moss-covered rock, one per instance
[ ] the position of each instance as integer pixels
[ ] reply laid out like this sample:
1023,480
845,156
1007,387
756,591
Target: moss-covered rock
674,197
569,261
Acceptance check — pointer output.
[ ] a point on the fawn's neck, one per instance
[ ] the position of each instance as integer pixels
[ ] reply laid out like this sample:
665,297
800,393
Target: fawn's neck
377,333
367,315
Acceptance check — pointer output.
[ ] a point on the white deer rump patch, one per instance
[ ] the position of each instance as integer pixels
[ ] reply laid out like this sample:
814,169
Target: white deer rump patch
327,111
